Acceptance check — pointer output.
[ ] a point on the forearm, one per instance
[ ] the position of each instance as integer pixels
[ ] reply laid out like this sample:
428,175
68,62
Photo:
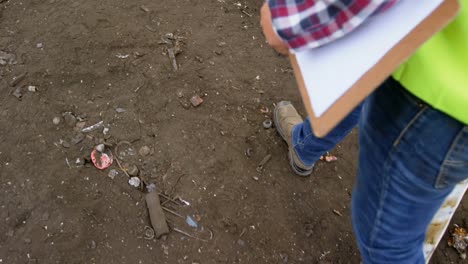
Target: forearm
313,23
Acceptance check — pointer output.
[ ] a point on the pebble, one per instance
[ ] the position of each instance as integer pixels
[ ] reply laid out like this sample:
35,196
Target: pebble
39,45
144,151
134,181
120,110
70,119
196,100
78,138
17,93
32,88
27,240
56,120
144,8
65,144
92,244
180,94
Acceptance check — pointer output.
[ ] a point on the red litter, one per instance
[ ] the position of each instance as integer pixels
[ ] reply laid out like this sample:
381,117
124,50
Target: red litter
101,160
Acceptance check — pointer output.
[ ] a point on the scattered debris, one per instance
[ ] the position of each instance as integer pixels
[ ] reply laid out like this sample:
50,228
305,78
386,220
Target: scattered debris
267,124
144,151
56,120
191,222
459,240
113,173
93,127
196,100
7,58
17,79
101,160
134,181
337,212
149,233
262,163
32,88
157,216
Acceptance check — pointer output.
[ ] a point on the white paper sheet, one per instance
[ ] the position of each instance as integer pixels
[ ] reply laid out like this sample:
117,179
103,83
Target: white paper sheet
330,70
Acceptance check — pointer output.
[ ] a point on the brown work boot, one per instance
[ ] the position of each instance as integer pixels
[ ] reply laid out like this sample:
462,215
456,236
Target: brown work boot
286,117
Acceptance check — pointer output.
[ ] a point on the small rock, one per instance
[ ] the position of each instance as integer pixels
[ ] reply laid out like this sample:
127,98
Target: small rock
70,119
248,152
255,178
80,125
27,240
144,8
56,120
92,244
134,181
32,88
77,139
79,162
221,44
120,110
144,151
180,93
100,148
39,45
241,242
65,144
6,58
199,59
132,170
17,93
196,100
165,250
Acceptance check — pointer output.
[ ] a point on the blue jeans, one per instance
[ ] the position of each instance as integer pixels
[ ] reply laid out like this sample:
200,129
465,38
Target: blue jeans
410,158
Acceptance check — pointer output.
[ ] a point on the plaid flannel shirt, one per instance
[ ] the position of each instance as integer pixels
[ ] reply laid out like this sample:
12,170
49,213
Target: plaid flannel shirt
312,23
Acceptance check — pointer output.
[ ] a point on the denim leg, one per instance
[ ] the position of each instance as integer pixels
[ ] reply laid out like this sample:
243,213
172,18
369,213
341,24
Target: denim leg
309,148
410,158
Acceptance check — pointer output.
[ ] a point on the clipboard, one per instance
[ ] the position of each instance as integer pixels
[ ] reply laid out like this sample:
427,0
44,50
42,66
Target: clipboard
374,76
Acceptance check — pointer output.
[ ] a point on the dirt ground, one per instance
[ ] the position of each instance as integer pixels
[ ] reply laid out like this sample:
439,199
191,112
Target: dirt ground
91,61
